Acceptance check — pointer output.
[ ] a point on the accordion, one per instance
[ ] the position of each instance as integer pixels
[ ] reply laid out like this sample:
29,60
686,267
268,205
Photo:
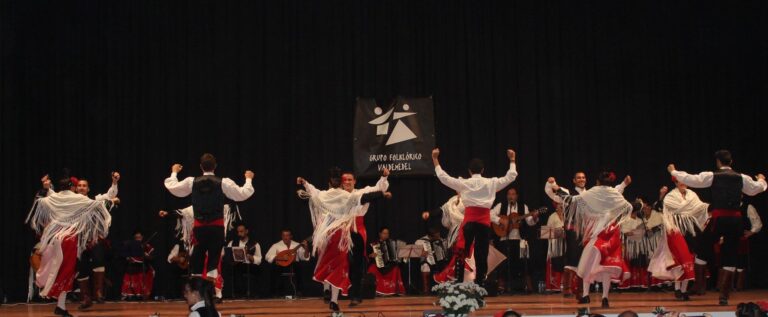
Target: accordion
386,253
436,251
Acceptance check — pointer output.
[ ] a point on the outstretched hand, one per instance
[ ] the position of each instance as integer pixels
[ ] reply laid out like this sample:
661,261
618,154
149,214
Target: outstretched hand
663,191
425,215
176,168
387,195
385,172
46,181
760,177
671,168
435,153
300,181
248,174
115,178
162,213
627,180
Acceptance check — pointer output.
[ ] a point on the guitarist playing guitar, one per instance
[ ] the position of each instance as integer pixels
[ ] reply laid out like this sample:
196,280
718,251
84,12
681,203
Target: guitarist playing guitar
284,256
511,221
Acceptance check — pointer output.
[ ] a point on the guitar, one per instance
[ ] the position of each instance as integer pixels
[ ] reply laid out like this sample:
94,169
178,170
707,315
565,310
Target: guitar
509,222
286,257
181,259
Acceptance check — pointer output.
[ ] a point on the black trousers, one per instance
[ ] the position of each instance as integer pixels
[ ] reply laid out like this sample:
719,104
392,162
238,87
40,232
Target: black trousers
210,241
357,265
573,248
731,229
477,233
90,259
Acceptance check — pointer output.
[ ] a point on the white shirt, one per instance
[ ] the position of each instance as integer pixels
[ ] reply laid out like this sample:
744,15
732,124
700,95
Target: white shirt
514,234
111,193
256,257
228,186
754,219
477,191
704,180
197,305
280,246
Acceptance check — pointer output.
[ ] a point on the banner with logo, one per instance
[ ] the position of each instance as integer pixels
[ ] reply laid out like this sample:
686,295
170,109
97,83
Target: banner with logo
398,135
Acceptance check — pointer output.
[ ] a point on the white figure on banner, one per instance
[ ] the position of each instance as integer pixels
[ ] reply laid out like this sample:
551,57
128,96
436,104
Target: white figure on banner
401,132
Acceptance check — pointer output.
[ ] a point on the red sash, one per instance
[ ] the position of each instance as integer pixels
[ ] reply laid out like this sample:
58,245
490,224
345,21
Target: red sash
478,214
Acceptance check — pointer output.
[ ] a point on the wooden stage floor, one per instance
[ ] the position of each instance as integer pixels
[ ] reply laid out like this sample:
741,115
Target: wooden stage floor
403,306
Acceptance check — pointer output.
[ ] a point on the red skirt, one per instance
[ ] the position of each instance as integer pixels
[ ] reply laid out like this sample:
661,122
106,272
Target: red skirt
637,279
138,284
65,276
681,255
604,257
333,265
388,282
554,279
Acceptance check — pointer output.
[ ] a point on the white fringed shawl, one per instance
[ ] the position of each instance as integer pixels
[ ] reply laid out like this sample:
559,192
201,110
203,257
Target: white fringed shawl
66,214
453,216
595,209
684,213
333,210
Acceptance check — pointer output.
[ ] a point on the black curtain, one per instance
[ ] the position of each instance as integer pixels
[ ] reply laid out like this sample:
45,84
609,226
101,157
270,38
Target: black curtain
135,86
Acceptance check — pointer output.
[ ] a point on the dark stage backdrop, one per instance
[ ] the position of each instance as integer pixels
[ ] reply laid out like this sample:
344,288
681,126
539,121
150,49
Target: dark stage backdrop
136,86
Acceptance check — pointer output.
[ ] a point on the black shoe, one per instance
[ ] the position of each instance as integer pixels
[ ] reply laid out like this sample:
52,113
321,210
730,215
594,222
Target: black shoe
355,302
327,296
584,300
723,301
61,312
685,298
678,294
334,307
218,300
605,303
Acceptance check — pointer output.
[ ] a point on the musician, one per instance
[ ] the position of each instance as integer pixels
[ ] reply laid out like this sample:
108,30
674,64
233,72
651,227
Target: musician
279,256
515,243
139,274
434,262
242,272
389,280
178,259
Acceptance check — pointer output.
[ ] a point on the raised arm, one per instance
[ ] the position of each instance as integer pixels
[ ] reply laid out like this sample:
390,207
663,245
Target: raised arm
174,186
382,185
311,189
112,192
753,187
238,193
623,185
549,189
701,180
501,182
447,180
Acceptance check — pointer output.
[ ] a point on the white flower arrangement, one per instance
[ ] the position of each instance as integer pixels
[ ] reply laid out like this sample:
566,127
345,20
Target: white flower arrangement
459,298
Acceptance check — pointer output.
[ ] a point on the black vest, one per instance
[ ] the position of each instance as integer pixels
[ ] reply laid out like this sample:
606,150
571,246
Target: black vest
726,190
207,198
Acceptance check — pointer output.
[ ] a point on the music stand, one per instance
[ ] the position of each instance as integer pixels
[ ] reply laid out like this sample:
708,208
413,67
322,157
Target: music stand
409,252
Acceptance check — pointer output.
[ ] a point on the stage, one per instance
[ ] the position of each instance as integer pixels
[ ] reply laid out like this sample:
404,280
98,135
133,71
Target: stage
409,306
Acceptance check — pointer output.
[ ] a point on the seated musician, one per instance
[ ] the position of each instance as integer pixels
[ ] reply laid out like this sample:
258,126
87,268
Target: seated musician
513,244
284,270
139,274
242,269
178,270
435,260
385,265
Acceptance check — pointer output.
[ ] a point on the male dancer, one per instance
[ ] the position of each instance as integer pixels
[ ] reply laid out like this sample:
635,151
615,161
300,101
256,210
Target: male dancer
727,186
478,194
208,192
